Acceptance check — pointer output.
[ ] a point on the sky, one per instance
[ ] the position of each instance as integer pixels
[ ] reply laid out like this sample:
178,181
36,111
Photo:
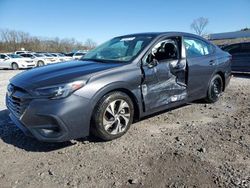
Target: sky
101,20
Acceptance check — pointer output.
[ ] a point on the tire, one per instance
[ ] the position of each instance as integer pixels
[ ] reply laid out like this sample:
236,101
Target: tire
112,116
14,66
40,64
215,89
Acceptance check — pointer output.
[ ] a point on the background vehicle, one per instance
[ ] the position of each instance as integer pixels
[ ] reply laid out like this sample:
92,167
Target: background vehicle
240,56
39,58
21,52
61,57
76,55
14,61
51,58
124,79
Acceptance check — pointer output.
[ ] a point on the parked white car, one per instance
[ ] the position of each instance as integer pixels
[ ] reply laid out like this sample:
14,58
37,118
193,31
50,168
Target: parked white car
21,52
15,62
62,57
39,58
51,58
76,55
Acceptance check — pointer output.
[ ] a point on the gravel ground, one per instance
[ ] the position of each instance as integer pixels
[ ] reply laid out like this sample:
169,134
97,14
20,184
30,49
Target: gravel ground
197,145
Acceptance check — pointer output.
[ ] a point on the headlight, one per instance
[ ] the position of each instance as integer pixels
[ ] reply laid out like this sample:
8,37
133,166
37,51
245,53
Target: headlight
59,91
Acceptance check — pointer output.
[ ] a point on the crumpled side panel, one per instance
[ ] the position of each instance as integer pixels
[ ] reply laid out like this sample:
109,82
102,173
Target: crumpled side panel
164,92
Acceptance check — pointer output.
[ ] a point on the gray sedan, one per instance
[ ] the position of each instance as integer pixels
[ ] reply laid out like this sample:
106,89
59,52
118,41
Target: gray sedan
120,81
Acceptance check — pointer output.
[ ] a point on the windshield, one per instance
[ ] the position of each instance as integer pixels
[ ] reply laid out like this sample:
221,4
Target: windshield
14,56
121,49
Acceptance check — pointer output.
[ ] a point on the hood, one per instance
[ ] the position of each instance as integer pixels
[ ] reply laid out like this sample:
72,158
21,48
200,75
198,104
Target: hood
59,73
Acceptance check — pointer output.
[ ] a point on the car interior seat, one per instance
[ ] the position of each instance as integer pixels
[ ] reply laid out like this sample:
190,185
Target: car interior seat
166,51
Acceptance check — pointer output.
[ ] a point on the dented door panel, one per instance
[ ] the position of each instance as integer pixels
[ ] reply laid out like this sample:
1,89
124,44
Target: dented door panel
164,84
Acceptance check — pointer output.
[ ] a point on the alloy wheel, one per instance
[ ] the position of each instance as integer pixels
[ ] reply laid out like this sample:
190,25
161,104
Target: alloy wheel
216,88
116,116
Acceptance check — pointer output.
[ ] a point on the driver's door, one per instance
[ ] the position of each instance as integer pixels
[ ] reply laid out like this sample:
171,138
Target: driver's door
164,71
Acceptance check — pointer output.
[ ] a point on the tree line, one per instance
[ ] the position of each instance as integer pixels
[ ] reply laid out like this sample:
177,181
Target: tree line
12,40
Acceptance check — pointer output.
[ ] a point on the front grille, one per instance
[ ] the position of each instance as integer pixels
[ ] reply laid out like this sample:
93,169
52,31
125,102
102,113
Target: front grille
17,100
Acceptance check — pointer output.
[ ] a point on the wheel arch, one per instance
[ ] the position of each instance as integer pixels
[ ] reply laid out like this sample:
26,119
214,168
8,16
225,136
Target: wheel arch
121,88
223,79
134,100
40,60
14,62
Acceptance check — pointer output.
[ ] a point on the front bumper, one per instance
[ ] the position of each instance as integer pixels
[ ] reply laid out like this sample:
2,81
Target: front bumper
54,120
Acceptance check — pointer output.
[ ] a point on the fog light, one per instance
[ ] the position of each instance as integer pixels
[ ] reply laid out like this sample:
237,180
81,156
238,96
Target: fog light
47,131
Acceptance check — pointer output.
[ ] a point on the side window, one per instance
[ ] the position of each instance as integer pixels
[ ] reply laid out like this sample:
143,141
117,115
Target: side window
196,47
164,51
1,57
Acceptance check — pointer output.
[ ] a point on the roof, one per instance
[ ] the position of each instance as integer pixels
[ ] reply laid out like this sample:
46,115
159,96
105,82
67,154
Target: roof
157,34
229,35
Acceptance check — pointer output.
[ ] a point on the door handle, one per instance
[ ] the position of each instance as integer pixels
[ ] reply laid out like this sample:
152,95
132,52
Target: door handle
212,62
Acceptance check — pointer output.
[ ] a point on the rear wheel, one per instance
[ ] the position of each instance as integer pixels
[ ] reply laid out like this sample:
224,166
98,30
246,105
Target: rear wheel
215,89
40,63
112,116
14,66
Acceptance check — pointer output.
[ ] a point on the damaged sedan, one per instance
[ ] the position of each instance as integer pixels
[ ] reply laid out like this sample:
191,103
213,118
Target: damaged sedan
120,81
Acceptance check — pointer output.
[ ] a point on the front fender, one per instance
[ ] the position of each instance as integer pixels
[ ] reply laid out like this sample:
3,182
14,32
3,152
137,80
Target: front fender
133,93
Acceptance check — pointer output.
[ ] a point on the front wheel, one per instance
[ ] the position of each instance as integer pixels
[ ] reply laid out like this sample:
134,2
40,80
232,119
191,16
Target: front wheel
215,89
113,116
14,66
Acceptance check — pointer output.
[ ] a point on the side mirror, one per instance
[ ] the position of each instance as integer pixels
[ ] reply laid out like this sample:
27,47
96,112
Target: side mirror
153,63
6,58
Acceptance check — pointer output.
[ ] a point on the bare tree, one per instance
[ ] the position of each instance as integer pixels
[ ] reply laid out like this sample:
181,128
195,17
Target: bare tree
199,25
90,44
245,29
11,40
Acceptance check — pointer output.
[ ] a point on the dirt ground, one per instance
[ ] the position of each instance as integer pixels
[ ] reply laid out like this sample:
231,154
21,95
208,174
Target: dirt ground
197,145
